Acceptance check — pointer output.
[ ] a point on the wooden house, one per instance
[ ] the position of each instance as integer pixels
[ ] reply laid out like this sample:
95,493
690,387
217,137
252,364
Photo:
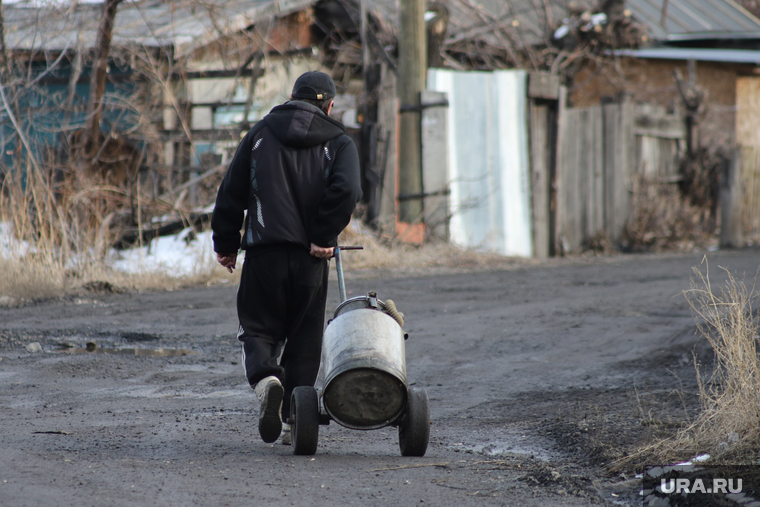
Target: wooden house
186,79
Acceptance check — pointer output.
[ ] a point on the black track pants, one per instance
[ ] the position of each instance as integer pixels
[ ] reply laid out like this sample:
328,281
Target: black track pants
282,295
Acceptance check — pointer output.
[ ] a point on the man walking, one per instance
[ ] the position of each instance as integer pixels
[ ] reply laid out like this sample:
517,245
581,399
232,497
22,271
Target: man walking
297,174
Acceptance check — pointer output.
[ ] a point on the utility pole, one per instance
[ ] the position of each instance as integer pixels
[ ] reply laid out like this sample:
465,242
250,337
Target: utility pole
363,35
412,70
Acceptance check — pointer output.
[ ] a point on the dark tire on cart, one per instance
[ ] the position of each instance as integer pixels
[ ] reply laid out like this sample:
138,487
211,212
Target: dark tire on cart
304,421
414,426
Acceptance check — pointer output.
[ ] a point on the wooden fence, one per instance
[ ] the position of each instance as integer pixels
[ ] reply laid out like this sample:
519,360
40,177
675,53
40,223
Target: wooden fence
750,183
601,149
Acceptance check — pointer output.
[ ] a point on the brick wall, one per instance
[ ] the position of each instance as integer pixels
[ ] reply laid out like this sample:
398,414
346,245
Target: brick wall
652,81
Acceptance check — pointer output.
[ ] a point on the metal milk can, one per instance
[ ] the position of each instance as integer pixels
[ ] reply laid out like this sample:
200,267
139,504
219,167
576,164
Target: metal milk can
365,365
364,383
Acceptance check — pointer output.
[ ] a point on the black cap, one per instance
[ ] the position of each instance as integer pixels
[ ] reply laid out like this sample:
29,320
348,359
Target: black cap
314,85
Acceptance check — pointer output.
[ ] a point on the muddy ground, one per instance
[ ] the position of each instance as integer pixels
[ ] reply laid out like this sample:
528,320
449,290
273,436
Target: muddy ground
539,376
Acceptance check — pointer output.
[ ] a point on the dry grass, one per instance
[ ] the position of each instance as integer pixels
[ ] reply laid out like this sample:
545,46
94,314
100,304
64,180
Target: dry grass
58,229
26,281
62,235
728,425
388,254
31,279
664,220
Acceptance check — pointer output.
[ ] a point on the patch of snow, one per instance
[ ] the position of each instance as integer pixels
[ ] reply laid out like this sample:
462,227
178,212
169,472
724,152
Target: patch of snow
177,255
561,32
698,459
184,254
10,247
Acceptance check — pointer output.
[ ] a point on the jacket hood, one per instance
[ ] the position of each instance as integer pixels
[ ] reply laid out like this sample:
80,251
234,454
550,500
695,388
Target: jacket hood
302,125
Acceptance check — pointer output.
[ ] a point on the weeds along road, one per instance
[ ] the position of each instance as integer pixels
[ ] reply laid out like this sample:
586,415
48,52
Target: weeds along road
515,363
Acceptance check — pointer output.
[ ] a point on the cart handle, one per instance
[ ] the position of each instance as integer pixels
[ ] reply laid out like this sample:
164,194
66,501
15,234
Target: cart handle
339,268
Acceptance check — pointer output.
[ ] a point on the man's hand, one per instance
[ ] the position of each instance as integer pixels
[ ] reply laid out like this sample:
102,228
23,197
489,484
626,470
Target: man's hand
321,252
227,260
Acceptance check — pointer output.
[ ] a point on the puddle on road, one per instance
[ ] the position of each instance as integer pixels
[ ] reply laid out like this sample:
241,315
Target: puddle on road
168,392
497,449
511,443
129,351
139,337
511,448
222,413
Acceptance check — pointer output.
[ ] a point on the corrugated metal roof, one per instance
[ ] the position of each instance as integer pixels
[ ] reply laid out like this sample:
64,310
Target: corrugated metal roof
467,20
695,19
703,55
183,23
187,24
685,19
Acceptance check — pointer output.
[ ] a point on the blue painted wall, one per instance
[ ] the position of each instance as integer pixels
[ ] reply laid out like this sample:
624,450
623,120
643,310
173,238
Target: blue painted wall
41,115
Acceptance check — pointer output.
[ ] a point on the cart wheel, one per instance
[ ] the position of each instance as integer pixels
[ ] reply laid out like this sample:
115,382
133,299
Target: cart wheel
304,420
414,427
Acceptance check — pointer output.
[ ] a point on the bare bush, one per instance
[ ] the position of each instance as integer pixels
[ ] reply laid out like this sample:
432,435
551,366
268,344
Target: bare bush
726,427
63,225
664,220
388,253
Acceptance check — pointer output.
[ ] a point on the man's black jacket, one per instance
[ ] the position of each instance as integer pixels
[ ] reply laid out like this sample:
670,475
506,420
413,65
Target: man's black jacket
297,174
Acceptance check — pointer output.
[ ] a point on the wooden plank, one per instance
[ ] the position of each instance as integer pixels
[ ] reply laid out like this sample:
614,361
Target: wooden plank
658,133
668,126
730,198
755,195
553,145
587,178
751,194
585,182
558,204
597,176
569,188
626,168
610,114
564,181
754,205
573,197
539,178
748,111
619,157
581,176
589,184
543,85
627,151
580,196
387,116
672,167
747,183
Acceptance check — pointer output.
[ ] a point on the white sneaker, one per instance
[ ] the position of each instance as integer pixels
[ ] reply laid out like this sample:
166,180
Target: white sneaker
285,437
269,392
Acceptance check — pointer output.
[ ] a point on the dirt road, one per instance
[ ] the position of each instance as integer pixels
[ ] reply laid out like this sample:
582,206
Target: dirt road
538,376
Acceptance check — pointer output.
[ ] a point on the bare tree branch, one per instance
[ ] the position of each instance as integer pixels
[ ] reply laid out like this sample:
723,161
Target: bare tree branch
98,81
